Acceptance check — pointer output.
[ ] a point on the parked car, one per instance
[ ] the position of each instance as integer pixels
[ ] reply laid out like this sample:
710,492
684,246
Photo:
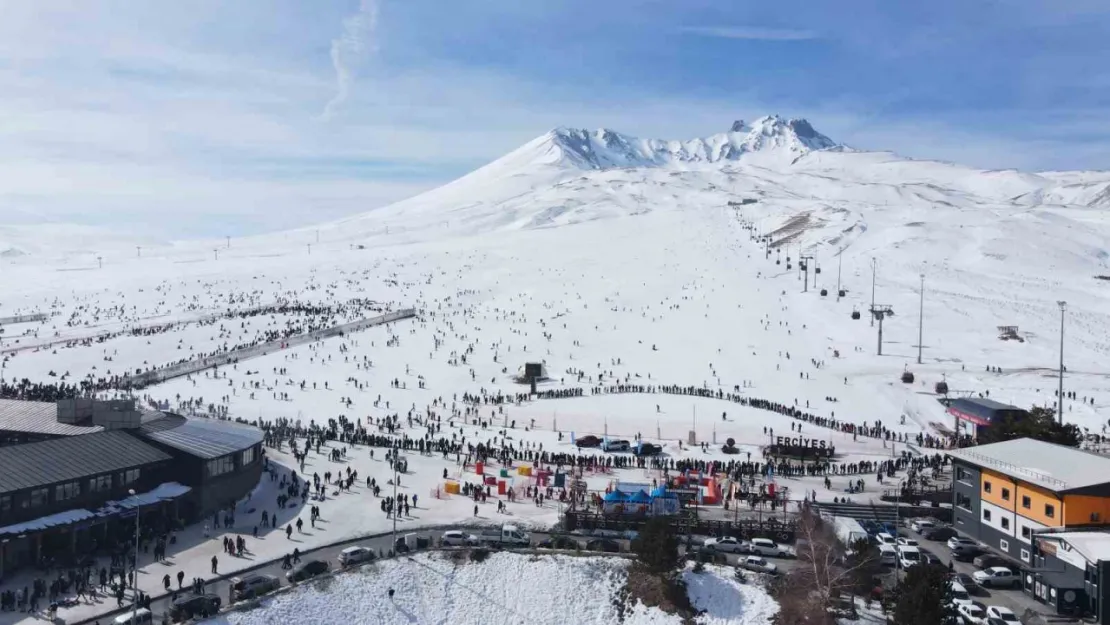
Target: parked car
355,555
142,616
987,560
307,570
604,544
995,621
617,445
971,614
507,535
647,449
251,586
768,547
958,541
996,577
966,581
559,542
939,534
928,557
587,441
906,542
920,525
457,538
908,556
1004,614
883,538
758,564
888,555
185,608
959,593
966,553
727,544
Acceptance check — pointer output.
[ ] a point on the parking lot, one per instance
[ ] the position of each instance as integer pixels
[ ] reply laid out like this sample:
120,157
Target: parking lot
1014,599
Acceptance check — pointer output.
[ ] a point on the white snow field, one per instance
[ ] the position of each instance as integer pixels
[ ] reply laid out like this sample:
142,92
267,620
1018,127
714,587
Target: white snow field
505,588
603,255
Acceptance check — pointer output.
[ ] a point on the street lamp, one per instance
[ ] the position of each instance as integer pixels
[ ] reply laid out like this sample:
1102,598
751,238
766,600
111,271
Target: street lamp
135,605
1060,392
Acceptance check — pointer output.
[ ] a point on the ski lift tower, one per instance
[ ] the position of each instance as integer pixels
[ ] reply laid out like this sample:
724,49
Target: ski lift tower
878,313
804,266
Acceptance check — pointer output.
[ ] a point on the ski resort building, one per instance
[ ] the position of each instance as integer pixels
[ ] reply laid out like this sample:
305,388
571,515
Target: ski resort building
75,473
1069,570
977,412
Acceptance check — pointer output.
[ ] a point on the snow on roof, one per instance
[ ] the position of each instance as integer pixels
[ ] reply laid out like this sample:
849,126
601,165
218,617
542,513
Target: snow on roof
38,417
41,523
1058,468
1094,546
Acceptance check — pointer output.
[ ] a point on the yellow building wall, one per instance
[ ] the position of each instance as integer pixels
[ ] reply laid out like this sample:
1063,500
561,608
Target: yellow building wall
997,483
1036,511
1078,509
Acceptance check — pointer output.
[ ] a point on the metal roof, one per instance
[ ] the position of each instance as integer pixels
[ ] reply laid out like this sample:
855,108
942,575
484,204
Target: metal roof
38,417
71,458
1055,467
200,437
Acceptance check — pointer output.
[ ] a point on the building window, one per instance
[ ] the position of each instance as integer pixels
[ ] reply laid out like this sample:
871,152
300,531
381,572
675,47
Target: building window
962,475
963,501
38,497
128,476
249,456
1005,523
1004,546
1026,502
1006,494
1024,555
986,487
1025,532
100,484
67,491
1050,511
219,466
986,515
5,504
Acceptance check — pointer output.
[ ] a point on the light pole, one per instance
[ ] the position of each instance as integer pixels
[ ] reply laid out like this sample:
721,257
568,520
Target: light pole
394,461
920,319
1060,392
874,268
135,606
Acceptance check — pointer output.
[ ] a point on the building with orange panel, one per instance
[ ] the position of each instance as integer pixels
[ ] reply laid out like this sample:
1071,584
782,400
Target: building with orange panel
1009,495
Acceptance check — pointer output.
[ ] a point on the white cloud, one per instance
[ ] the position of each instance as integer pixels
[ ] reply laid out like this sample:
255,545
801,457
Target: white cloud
751,32
349,50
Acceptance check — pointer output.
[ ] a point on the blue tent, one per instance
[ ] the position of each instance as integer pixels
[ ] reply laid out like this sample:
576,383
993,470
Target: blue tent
613,497
639,497
661,491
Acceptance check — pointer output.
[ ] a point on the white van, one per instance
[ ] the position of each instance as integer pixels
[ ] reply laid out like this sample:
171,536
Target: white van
888,555
908,556
142,616
769,548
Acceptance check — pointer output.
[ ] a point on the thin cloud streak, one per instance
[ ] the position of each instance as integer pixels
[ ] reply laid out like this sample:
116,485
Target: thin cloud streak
754,33
349,50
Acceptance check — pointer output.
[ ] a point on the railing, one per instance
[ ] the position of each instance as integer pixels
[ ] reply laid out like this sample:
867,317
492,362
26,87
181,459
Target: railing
1013,468
155,376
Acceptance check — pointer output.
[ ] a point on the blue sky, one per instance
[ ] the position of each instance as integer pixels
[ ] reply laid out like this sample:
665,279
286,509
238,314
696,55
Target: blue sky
207,117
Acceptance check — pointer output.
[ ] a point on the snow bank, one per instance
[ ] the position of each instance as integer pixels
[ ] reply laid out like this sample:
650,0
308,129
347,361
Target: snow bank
505,588
727,601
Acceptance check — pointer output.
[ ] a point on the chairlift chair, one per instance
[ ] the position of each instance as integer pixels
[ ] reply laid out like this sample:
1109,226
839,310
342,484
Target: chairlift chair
941,388
855,314
907,377
824,292
842,292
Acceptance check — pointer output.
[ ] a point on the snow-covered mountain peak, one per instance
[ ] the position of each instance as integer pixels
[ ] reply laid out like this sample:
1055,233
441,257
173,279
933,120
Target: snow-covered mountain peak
607,149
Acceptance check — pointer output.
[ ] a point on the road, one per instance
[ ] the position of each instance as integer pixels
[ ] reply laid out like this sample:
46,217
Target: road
1015,599
379,543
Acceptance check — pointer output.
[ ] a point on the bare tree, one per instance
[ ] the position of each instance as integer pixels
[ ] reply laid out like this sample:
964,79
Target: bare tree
824,574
